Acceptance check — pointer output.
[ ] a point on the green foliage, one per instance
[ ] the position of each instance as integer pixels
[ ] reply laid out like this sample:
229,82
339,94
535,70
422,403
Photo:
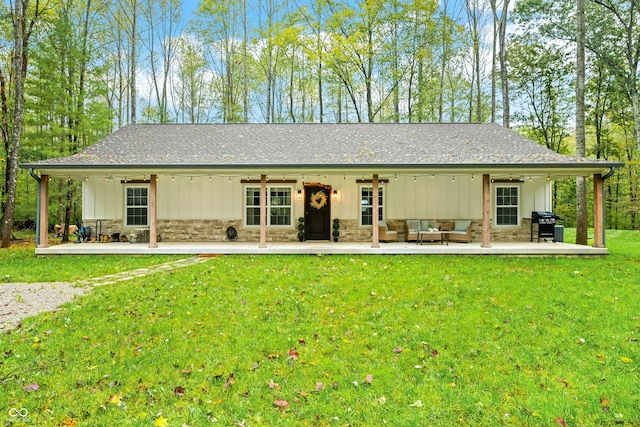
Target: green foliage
337,340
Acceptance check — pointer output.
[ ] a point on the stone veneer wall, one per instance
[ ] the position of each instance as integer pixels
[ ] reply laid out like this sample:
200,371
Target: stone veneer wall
215,230
105,226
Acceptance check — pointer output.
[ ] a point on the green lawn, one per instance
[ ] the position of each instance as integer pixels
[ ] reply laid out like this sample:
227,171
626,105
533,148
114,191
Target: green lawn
340,340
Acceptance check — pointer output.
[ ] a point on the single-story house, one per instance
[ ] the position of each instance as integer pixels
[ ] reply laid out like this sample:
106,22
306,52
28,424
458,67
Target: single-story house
192,182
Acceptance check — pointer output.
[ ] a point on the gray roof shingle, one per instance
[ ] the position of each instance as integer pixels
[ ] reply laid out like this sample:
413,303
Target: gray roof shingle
297,145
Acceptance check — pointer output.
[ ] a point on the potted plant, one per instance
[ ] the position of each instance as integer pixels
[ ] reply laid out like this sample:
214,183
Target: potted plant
301,229
336,229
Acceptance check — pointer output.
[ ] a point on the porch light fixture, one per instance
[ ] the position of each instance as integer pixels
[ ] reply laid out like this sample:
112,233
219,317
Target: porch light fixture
299,195
335,194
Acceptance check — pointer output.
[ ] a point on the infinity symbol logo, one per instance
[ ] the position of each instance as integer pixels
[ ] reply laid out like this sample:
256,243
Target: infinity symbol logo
13,412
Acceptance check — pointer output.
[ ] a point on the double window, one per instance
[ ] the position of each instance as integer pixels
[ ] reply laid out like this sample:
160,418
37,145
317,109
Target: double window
137,206
279,206
366,205
507,205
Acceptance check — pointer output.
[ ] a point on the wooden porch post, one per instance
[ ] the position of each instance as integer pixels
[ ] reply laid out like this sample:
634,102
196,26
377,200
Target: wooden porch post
598,211
375,235
153,214
43,215
263,211
486,211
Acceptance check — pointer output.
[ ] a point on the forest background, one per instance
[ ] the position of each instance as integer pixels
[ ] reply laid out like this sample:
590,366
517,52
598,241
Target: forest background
72,71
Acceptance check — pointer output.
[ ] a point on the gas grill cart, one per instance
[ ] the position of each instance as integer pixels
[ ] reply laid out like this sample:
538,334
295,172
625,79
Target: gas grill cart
547,228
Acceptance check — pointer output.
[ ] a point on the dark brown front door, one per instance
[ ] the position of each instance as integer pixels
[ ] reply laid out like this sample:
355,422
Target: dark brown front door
317,218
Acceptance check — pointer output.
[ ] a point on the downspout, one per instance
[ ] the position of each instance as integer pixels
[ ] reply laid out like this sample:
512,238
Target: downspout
604,211
39,180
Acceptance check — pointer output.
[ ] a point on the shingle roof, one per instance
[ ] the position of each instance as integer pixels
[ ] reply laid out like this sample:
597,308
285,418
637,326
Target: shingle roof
297,145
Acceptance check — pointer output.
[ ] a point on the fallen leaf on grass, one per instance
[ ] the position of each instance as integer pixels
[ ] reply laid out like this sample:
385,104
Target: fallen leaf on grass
397,350
605,404
116,398
230,381
319,386
417,404
31,387
293,354
69,423
560,421
368,379
178,391
381,400
626,359
280,403
161,422
273,385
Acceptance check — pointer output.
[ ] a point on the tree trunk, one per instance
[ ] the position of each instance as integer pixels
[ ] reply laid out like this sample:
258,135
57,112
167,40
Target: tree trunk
133,59
581,188
19,65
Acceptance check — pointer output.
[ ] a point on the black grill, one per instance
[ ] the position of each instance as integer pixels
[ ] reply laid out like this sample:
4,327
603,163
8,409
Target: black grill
546,224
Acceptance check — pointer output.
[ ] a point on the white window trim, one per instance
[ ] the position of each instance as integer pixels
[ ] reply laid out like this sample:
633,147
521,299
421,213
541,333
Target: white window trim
269,187
382,188
124,221
495,204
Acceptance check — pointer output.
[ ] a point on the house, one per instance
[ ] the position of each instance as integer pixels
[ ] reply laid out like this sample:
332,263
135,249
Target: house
192,182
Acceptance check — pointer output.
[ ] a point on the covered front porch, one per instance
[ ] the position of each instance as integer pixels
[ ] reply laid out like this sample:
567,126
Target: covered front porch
546,248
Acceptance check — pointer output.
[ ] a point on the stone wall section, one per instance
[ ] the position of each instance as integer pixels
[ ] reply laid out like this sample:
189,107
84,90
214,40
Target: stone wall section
350,231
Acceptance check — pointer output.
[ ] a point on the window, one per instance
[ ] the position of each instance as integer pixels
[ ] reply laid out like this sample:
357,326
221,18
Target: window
137,206
366,207
507,205
279,206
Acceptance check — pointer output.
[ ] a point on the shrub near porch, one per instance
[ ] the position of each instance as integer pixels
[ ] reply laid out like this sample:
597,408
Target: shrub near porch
338,340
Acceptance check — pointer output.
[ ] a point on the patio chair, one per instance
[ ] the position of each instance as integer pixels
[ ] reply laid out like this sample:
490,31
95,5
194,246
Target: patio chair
386,235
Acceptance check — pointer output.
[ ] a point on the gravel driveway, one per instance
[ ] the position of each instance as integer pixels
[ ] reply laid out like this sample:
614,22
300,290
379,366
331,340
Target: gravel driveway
20,300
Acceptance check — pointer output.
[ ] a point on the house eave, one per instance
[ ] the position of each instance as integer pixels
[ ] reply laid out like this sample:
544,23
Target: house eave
551,170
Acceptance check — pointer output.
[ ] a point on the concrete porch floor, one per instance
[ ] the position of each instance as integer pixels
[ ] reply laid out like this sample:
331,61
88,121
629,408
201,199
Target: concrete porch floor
324,247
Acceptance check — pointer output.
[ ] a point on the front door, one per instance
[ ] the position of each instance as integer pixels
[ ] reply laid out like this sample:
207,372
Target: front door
317,218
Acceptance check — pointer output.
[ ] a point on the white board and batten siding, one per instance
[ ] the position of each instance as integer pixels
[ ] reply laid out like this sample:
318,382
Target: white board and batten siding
405,197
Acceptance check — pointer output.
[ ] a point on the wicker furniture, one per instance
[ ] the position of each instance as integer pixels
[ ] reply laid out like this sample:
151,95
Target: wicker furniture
459,230
414,227
386,235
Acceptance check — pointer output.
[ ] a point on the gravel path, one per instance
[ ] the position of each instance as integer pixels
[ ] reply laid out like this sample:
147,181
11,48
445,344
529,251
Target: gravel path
20,300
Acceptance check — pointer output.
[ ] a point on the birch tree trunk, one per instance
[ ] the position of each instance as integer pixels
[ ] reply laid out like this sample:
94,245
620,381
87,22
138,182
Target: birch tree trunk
581,188
22,28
